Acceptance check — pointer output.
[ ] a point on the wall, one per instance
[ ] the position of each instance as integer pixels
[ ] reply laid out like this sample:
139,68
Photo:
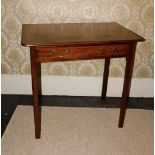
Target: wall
136,15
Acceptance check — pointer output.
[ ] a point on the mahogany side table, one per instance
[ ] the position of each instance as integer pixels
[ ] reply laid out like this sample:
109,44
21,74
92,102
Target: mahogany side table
79,41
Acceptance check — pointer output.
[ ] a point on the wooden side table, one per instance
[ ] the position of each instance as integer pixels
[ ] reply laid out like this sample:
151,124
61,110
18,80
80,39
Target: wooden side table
79,41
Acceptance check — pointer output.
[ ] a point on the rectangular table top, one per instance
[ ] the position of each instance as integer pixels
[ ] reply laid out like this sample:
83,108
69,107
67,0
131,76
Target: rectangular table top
76,33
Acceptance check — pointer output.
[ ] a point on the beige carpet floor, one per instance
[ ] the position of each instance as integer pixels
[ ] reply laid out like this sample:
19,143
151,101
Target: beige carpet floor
79,131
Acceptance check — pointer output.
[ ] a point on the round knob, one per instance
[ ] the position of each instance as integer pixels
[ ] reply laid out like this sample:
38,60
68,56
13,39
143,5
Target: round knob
113,50
67,51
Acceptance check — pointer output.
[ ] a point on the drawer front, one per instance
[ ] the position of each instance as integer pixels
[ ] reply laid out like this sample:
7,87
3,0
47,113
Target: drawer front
45,54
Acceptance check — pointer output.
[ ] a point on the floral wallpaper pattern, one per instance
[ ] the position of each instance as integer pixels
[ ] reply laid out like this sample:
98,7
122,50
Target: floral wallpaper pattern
137,15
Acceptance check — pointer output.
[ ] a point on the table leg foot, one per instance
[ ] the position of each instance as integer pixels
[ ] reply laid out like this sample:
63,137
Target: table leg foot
37,121
121,119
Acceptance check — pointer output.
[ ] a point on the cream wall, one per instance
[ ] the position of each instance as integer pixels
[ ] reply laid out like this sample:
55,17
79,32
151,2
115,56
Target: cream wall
136,15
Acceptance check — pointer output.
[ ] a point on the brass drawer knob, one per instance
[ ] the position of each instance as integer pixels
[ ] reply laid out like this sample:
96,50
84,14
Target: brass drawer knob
53,52
101,50
67,51
113,50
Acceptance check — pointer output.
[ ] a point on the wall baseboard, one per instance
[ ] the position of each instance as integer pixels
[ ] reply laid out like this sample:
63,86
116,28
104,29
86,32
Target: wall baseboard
75,86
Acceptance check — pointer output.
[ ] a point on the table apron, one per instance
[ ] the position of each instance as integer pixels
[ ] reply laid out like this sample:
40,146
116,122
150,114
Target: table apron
46,54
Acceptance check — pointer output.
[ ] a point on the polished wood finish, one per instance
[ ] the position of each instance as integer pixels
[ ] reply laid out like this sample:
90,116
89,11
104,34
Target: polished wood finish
36,88
79,41
127,83
105,78
46,54
65,34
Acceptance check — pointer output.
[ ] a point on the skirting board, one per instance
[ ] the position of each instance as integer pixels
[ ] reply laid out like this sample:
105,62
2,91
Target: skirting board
75,86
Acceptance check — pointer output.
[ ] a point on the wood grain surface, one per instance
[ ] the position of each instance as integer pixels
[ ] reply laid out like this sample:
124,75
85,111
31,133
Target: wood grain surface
75,33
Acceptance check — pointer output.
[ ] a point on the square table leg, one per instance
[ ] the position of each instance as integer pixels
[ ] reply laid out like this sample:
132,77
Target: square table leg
36,89
105,78
127,83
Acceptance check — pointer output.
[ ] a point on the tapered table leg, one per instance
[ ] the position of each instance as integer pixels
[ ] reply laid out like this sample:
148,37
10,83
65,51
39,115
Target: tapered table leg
36,89
127,83
105,78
